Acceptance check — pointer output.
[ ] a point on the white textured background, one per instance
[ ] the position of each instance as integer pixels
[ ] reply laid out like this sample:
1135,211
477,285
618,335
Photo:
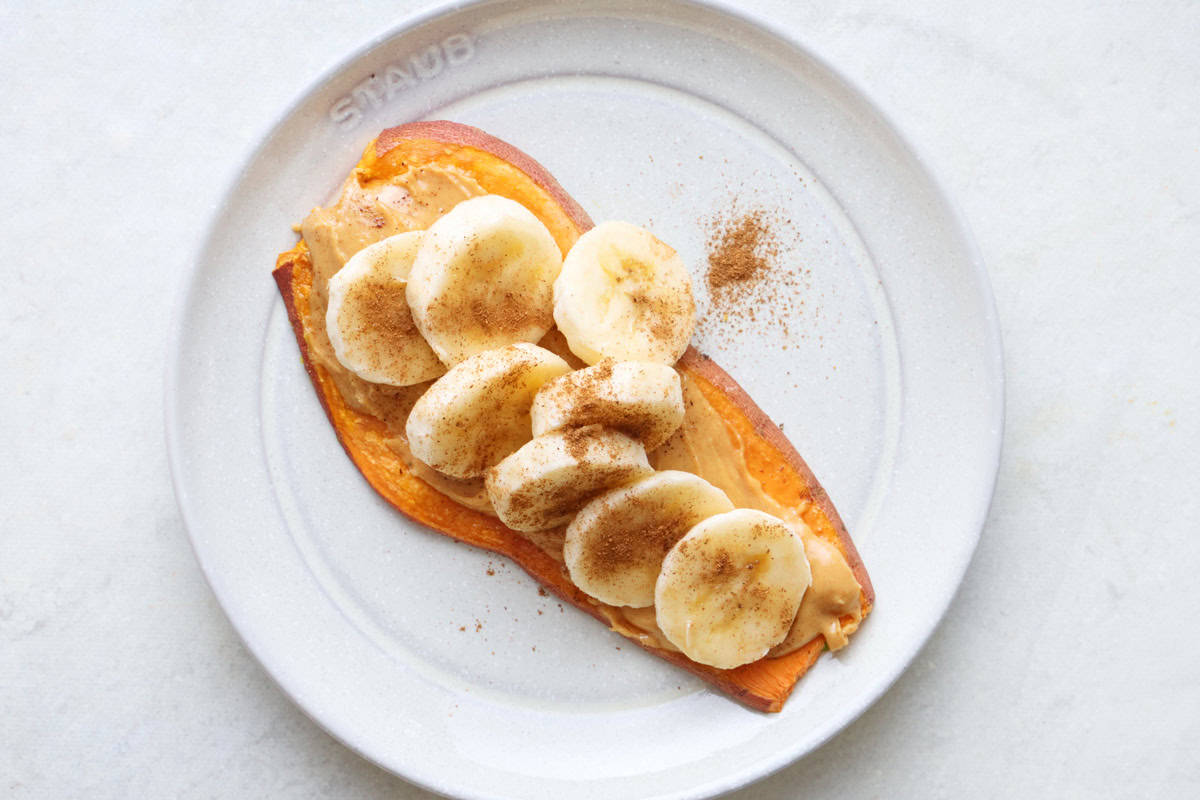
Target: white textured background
1069,664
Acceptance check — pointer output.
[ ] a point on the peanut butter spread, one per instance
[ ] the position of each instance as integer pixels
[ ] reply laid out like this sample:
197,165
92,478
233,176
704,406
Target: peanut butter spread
367,211
704,445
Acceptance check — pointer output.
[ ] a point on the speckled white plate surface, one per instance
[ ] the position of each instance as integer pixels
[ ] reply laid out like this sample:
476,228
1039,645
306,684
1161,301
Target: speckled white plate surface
881,359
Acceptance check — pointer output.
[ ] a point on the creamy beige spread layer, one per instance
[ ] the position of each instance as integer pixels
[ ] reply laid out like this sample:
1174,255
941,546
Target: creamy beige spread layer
366,212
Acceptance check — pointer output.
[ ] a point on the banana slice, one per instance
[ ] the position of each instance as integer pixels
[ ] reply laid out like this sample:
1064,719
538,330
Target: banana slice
731,587
624,294
548,480
614,547
368,319
641,398
478,412
484,278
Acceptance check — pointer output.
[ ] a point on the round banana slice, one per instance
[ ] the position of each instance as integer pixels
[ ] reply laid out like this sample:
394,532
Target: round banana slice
478,412
624,294
549,479
484,278
641,398
614,547
368,319
731,587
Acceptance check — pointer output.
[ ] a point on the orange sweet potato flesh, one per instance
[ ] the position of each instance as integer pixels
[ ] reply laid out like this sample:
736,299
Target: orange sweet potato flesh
502,169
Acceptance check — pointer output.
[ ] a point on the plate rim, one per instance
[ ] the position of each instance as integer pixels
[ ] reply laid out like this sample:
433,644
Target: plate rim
993,350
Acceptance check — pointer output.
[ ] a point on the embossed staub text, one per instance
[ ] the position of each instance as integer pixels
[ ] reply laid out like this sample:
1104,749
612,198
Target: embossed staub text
399,75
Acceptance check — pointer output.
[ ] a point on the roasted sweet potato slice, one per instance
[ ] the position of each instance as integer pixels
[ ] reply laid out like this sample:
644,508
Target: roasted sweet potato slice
766,454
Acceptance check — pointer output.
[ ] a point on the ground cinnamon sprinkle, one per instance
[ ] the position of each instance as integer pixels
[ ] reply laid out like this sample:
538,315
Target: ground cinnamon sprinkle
738,250
509,315
593,403
576,441
384,324
752,281
623,546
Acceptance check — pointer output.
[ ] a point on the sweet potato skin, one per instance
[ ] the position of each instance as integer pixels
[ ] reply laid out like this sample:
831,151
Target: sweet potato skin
697,363
763,685
466,136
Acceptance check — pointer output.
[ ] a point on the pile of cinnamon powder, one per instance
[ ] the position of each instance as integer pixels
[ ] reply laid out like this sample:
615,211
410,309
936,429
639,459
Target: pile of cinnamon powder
750,283
738,250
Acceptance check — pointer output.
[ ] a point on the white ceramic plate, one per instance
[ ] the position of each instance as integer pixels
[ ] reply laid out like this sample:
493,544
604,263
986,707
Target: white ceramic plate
445,664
